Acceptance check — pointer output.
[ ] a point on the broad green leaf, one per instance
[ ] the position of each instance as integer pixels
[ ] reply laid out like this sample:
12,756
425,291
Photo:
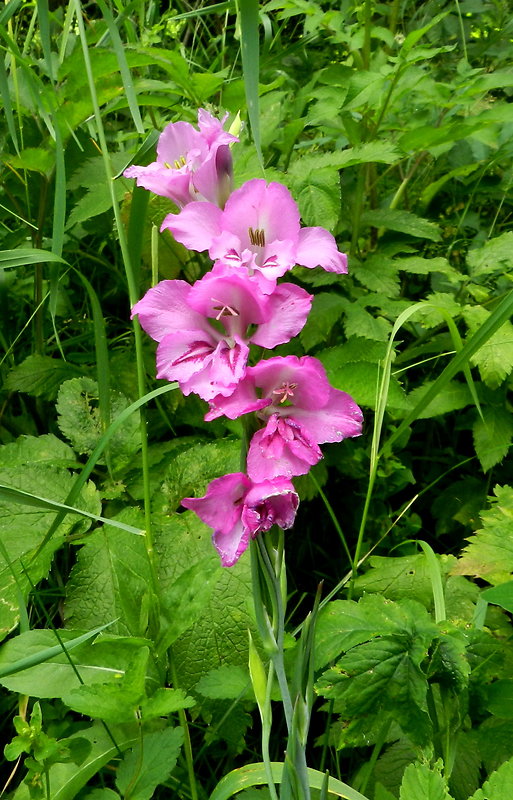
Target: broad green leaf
499,695
67,779
361,381
385,673
193,469
495,358
406,576
498,786
492,436
327,309
318,198
359,322
23,528
381,152
46,450
225,683
355,349
102,794
421,782
33,158
80,420
164,702
110,581
220,634
403,222
379,274
501,595
489,554
40,376
496,255
100,662
149,763
424,266
452,397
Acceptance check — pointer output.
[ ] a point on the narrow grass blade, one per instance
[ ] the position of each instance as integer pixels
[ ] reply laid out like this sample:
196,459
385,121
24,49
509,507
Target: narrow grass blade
124,69
498,317
215,8
12,495
43,14
251,66
436,581
6,101
49,652
23,256
254,775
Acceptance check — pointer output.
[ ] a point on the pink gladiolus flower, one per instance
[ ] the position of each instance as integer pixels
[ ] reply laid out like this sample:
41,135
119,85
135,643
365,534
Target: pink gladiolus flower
237,509
259,231
204,330
191,164
300,410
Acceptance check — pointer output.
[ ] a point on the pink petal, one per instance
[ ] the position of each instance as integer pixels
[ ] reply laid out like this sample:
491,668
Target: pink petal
318,248
232,544
157,178
182,354
262,206
212,129
311,389
340,418
270,503
231,298
220,507
195,226
242,401
165,309
177,140
282,448
288,309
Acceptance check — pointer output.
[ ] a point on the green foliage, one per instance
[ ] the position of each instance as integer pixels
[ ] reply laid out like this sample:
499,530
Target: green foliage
489,555
142,770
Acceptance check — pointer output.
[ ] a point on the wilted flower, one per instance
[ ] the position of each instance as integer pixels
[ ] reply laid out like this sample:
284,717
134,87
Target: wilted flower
236,509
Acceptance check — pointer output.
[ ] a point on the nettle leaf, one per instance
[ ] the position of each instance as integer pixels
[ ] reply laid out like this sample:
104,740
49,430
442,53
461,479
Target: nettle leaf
46,450
225,683
149,763
164,702
424,266
359,322
379,274
109,582
327,309
421,782
385,673
40,376
361,380
193,469
24,527
406,576
437,303
219,635
492,436
355,349
318,198
79,420
489,554
381,152
495,358
402,222
34,158
498,786
452,397
496,255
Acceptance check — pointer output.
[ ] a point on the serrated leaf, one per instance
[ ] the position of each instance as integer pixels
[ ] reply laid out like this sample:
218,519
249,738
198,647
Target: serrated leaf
452,397
424,266
220,634
24,527
193,469
406,576
79,420
327,309
403,222
224,683
492,436
149,763
110,581
40,376
361,381
501,595
489,554
164,702
421,782
496,255
498,786
379,275
319,198
495,358
355,349
385,672
436,304
46,449
380,152
33,158
359,322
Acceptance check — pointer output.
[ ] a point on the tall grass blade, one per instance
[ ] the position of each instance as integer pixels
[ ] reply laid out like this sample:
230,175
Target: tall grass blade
6,101
250,45
43,13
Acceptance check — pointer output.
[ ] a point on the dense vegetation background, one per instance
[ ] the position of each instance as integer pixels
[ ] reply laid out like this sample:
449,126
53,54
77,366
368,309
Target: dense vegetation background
392,125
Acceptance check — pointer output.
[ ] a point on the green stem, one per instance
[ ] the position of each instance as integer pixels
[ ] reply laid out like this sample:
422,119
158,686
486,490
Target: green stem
187,747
